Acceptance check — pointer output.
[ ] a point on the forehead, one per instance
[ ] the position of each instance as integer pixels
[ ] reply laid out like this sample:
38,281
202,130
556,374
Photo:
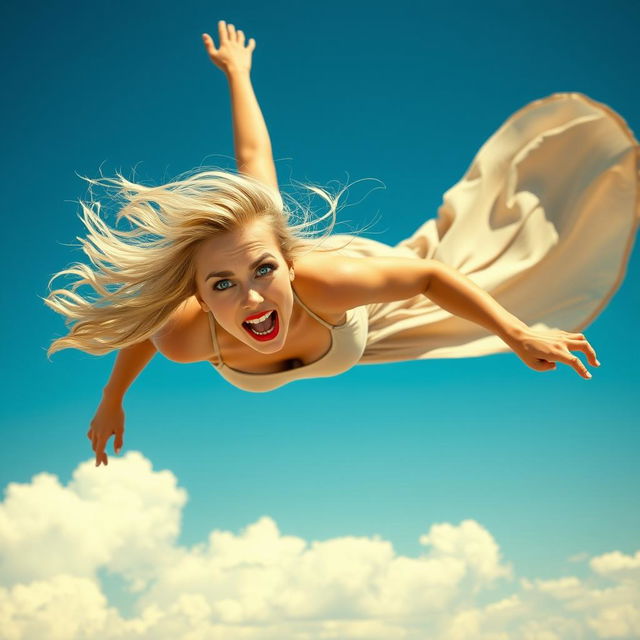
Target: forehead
236,246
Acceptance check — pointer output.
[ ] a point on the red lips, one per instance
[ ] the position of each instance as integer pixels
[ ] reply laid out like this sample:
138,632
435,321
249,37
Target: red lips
256,315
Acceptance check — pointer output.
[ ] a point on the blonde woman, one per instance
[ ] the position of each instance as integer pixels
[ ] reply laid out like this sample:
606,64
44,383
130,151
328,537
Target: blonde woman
525,252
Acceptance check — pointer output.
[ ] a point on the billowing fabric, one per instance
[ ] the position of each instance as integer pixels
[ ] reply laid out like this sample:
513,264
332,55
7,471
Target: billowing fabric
544,220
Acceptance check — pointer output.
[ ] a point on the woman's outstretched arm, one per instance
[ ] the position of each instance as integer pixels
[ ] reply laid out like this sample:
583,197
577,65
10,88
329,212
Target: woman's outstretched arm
344,283
252,143
459,295
109,418
129,363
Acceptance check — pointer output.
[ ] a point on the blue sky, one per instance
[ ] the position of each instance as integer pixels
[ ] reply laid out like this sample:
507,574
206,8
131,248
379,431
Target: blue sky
407,94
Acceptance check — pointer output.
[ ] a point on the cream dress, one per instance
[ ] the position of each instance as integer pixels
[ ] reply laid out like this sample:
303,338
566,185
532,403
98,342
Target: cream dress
544,220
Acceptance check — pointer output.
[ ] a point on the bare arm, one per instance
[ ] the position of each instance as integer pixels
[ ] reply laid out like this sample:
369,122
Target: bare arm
344,283
254,156
252,143
459,295
109,417
250,131
129,363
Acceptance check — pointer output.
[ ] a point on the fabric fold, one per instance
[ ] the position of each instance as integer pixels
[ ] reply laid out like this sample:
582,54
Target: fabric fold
544,219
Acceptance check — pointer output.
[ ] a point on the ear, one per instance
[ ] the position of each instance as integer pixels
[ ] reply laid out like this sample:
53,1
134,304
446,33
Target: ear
202,303
290,267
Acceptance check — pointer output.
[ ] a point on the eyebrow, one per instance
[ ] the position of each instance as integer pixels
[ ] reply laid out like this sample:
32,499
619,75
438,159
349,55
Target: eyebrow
252,266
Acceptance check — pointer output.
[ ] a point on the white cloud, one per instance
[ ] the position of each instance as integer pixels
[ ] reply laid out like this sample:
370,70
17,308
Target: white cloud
618,565
260,584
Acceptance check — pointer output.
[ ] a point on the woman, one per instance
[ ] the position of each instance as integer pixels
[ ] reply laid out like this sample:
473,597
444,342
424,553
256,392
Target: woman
226,278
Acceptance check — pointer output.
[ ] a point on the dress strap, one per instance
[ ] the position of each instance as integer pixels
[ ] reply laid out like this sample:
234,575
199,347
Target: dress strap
214,339
313,315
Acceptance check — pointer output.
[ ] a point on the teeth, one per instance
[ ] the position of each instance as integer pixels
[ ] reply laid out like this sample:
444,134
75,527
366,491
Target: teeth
262,333
262,318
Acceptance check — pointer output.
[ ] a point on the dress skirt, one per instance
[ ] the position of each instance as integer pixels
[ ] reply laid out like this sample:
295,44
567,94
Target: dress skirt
544,220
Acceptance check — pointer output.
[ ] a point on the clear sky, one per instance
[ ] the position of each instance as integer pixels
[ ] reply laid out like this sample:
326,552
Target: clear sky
505,498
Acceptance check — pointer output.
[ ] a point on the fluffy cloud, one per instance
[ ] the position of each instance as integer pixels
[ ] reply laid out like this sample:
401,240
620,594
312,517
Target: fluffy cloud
260,584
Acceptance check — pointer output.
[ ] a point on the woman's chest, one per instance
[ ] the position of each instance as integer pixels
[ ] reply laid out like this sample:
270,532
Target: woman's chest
306,343
306,346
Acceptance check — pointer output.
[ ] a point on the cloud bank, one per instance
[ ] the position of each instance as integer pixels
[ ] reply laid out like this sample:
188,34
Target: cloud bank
260,584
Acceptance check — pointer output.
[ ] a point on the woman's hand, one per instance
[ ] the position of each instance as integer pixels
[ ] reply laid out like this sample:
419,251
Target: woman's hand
541,349
108,421
232,55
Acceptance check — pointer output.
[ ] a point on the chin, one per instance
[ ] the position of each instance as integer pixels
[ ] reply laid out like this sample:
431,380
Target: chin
271,346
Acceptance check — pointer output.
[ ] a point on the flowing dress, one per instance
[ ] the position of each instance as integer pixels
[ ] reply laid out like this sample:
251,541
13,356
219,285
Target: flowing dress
544,220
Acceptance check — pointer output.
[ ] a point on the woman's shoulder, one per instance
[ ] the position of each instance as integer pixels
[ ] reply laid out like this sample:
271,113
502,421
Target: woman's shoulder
185,336
314,282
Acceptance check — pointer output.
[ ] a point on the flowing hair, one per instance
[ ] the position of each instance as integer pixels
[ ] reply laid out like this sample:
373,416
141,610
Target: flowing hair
141,275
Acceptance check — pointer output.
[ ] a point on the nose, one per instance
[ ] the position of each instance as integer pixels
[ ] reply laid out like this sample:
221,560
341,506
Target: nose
252,299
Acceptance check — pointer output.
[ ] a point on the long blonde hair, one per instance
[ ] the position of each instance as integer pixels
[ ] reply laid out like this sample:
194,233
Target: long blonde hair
141,275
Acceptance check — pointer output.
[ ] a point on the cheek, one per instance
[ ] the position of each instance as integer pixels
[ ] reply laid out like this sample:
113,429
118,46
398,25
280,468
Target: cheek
220,306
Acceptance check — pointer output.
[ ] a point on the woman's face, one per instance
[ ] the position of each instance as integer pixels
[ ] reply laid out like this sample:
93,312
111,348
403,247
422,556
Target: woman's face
235,280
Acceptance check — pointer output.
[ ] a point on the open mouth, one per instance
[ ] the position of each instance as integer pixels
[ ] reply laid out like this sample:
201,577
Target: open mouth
265,330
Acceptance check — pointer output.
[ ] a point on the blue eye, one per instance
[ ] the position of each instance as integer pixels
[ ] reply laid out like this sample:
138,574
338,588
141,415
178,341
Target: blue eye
267,264
271,266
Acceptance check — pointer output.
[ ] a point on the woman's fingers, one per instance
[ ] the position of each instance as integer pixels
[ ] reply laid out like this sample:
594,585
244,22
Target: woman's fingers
98,451
576,363
108,421
581,343
99,445
222,31
209,44
101,456
540,349
117,443
228,33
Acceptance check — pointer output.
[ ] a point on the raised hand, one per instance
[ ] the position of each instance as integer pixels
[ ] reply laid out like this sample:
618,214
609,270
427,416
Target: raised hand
541,349
108,421
232,55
